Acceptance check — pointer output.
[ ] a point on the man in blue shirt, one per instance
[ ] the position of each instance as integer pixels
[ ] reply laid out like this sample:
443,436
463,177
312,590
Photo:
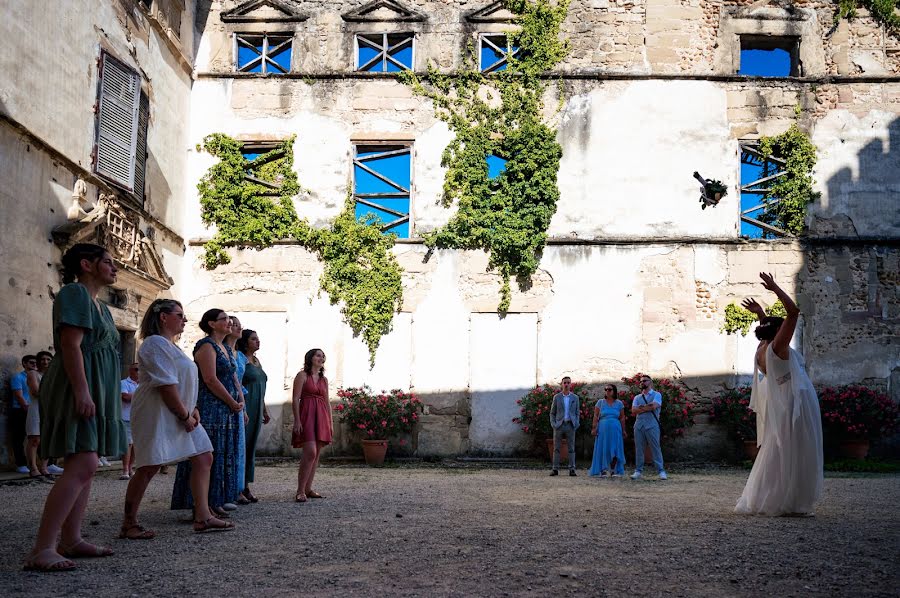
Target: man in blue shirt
646,406
564,421
18,411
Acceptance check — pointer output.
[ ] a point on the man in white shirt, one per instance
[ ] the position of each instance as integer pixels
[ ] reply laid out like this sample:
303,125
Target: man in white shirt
564,420
129,385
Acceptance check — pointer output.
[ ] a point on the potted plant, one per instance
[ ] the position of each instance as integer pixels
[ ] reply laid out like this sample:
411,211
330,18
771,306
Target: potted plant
854,415
713,190
675,415
378,417
534,417
731,408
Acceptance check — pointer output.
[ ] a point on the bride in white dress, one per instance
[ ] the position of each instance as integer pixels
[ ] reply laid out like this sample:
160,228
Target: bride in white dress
787,476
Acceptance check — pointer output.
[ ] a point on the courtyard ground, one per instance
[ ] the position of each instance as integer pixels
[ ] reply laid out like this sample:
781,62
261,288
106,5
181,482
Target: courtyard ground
467,530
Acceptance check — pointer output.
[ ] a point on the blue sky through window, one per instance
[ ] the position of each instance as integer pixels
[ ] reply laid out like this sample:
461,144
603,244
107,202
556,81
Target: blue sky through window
395,168
496,166
750,173
765,63
246,55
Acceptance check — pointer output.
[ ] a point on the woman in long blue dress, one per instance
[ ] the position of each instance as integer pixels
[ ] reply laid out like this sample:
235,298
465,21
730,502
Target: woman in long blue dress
240,363
220,411
609,429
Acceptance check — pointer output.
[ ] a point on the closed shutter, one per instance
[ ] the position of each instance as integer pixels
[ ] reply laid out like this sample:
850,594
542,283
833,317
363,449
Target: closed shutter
140,154
117,121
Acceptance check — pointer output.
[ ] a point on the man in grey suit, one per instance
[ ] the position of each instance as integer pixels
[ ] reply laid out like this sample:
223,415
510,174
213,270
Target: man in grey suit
564,420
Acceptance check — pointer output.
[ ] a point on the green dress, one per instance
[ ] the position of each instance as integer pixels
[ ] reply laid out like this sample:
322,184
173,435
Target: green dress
63,432
254,381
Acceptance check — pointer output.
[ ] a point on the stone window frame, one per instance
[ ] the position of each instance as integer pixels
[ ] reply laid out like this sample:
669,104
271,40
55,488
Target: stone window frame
800,23
242,37
750,147
482,38
368,141
385,48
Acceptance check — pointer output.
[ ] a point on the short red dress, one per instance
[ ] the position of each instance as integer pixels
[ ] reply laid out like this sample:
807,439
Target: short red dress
314,413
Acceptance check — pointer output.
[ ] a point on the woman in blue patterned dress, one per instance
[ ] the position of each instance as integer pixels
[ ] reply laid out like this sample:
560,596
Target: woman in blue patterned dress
220,410
240,365
609,428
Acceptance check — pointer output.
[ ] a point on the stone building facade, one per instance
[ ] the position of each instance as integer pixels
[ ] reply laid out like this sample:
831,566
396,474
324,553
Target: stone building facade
635,276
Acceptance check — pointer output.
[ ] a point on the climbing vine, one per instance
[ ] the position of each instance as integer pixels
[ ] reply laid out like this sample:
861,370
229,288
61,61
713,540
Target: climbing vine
250,203
883,11
500,115
739,319
795,189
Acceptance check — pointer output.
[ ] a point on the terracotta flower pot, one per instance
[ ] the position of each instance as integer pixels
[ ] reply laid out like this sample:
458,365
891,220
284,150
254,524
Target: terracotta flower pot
563,449
854,449
750,449
374,451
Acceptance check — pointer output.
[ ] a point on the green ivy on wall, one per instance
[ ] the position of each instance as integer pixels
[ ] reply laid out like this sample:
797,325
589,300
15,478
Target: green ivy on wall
501,115
739,319
250,204
795,189
883,11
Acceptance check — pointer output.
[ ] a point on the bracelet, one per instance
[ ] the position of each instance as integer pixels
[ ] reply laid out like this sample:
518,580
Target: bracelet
185,418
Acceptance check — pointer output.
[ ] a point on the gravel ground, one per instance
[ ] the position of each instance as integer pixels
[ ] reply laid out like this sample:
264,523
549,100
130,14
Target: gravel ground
474,530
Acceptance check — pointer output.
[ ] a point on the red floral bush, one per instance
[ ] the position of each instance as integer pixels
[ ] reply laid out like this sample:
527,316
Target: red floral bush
675,415
378,416
856,412
731,408
535,408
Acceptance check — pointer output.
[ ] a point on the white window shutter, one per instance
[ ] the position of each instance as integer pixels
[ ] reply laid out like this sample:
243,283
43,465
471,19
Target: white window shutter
117,121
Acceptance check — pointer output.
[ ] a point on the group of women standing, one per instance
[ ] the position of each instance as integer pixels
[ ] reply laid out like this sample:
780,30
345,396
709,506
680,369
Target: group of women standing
223,387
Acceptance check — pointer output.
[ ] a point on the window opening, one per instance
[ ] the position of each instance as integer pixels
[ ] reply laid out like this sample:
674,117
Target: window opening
384,52
757,174
259,155
494,51
769,56
496,166
382,179
263,53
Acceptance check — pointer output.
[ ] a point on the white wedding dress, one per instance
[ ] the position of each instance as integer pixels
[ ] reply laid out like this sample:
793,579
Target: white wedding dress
787,477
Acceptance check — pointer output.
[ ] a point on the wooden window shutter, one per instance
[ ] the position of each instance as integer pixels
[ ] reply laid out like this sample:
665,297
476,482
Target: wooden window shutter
117,121
140,154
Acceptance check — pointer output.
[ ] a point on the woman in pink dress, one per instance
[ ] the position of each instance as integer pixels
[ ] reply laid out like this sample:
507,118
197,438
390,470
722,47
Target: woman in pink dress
313,426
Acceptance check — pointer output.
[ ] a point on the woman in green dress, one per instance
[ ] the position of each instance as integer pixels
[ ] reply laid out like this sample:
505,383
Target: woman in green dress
254,381
81,410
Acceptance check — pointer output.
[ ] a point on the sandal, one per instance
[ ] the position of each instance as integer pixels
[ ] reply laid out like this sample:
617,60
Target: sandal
313,494
301,497
84,549
219,512
249,496
56,563
243,500
136,531
210,525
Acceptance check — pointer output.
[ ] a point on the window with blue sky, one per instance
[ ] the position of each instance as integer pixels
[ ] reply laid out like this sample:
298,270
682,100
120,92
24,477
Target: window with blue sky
757,174
769,56
496,166
263,53
382,179
384,52
494,50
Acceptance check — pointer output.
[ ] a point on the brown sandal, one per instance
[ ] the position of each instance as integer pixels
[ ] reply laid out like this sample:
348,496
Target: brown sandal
301,497
84,550
55,564
313,494
136,531
209,525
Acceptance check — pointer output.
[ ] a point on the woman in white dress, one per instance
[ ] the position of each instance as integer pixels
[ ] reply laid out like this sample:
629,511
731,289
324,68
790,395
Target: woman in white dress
787,477
165,420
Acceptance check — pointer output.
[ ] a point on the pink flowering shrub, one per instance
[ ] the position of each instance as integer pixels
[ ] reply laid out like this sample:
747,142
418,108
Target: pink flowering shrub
731,408
676,413
856,412
378,416
535,406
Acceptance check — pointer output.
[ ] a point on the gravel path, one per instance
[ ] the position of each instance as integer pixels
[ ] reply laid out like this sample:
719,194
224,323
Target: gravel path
478,531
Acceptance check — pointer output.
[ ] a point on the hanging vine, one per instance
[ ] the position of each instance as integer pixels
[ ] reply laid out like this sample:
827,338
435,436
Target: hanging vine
794,191
883,11
501,115
250,204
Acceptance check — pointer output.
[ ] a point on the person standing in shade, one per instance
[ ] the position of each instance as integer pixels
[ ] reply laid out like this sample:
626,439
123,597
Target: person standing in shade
81,405
646,406
254,382
219,408
609,430
313,425
240,364
166,420
18,413
787,475
564,419
129,386
37,466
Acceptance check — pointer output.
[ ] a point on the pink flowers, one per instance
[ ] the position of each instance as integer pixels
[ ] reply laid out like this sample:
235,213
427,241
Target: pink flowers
382,415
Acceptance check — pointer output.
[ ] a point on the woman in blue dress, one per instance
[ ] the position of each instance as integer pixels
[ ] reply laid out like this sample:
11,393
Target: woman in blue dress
240,362
609,429
221,409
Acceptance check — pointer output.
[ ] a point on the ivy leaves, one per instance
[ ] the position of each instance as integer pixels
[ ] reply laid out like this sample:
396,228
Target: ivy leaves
795,189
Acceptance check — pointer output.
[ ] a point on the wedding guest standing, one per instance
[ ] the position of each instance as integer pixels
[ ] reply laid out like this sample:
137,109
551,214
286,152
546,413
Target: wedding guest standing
240,364
564,419
787,475
254,382
609,430
18,412
37,466
220,410
166,421
646,406
81,411
313,425
129,385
